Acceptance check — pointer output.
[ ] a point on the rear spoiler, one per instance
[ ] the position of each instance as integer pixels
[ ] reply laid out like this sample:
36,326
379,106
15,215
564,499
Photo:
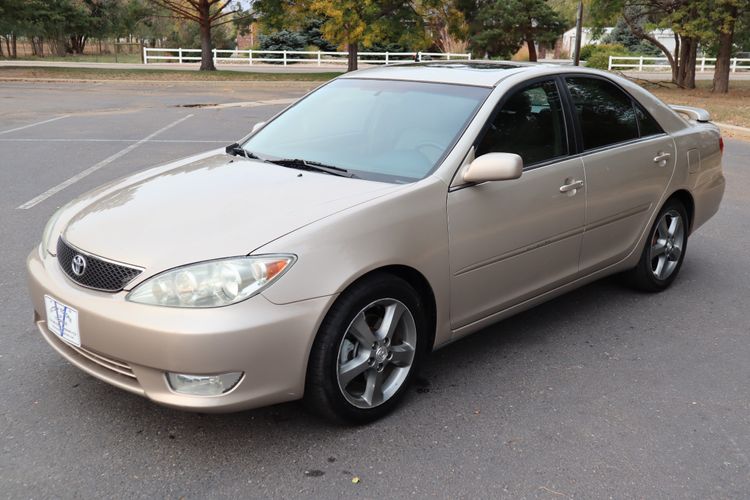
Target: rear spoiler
691,113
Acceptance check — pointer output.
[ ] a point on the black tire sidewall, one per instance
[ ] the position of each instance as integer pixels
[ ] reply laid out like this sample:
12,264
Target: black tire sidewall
322,392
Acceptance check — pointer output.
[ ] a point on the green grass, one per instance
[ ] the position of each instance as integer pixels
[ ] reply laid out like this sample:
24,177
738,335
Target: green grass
43,72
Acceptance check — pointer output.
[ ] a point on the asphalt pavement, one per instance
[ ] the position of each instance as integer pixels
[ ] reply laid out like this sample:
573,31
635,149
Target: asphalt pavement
603,392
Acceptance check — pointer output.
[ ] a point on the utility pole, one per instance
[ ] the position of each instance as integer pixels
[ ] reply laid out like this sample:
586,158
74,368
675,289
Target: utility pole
579,29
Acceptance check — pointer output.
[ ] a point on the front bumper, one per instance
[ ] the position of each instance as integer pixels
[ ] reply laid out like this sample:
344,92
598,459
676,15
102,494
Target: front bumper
132,345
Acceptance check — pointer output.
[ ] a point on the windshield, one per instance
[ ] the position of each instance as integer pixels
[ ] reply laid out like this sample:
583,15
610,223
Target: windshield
383,130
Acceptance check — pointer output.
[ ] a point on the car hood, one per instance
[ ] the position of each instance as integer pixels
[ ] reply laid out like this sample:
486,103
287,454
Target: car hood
216,206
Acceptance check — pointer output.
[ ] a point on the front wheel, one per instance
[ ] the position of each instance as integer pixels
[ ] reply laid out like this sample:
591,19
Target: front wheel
367,351
664,251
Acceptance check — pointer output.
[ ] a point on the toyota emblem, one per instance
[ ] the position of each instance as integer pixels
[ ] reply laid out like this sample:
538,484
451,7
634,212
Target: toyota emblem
78,266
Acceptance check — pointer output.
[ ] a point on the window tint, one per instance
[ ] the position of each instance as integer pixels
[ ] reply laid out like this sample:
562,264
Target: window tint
606,113
646,123
529,124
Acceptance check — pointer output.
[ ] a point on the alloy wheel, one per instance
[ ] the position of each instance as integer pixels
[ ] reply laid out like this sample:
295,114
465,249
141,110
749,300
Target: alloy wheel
376,353
667,244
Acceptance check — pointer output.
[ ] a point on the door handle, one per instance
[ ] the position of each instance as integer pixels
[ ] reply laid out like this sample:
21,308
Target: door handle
571,187
662,158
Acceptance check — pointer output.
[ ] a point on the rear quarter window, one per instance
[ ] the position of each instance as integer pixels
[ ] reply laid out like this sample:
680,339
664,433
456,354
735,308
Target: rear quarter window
646,123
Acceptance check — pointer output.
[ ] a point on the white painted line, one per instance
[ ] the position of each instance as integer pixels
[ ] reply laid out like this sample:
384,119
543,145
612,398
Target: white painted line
160,141
56,189
33,124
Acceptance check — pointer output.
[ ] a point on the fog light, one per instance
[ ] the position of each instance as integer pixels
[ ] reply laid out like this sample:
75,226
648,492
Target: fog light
203,385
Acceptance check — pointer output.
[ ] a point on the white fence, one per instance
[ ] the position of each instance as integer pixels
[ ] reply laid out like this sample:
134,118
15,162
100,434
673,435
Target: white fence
286,57
643,63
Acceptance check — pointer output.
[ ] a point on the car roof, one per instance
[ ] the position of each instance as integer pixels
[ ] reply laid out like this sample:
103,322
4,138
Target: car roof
477,73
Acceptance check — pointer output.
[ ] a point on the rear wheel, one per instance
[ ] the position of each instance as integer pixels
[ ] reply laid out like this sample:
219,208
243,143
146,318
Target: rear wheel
664,251
367,351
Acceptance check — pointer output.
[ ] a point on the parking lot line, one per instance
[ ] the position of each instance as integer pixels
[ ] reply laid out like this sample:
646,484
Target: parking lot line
33,124
56,189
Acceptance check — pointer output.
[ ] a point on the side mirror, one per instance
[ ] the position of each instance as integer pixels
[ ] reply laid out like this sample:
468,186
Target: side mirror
257,127
494,167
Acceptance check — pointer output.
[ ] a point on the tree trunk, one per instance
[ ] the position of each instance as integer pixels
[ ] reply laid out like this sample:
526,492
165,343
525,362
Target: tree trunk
77,43
724,57
352,49
37,46
675,62
207,56
686,65
690,68
13,46
641,34
532,48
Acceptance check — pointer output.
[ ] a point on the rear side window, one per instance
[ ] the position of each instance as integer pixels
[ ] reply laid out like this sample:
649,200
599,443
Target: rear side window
605,112
530,124
646,123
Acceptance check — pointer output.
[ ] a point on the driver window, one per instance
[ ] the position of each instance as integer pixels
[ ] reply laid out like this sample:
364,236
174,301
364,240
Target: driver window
529,124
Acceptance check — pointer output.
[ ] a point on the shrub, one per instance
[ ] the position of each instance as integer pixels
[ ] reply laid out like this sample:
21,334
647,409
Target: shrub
282,40
597,56
586,51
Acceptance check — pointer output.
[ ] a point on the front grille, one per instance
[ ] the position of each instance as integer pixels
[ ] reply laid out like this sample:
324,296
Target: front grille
97,273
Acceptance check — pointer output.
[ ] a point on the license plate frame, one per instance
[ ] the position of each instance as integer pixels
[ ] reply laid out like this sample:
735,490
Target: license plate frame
62,321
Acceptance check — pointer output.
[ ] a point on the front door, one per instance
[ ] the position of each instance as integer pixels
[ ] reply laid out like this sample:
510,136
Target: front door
511,240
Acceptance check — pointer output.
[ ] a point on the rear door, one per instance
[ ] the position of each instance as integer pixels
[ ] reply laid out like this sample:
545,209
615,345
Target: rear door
628,161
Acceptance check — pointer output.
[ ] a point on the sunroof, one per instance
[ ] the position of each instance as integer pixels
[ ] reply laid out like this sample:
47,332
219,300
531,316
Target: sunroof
487,66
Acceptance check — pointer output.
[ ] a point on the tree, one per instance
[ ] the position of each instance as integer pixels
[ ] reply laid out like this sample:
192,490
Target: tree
15,20
622,35
685,17
312,32
725,16
354,22
505,25
446,25
208,14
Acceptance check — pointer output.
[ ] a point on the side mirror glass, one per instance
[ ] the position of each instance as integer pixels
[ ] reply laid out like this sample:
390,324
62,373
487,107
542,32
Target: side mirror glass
257,126
494,167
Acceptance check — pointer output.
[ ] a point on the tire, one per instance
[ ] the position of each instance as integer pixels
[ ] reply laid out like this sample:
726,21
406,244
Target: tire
664,250
359,369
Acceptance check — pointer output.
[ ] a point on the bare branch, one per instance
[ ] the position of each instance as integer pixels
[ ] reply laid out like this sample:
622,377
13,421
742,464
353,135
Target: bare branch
239,18
640,33
225,14
179,9
220,11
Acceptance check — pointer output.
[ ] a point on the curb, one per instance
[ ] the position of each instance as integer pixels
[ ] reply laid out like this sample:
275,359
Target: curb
736,128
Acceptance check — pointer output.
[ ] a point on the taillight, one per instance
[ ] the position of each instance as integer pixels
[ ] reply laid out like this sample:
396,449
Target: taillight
721,145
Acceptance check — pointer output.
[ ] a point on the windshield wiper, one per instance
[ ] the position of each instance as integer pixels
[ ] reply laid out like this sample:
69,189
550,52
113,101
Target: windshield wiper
237,150
313,166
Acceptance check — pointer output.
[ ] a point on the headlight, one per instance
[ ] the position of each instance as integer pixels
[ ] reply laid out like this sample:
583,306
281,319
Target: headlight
212,284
